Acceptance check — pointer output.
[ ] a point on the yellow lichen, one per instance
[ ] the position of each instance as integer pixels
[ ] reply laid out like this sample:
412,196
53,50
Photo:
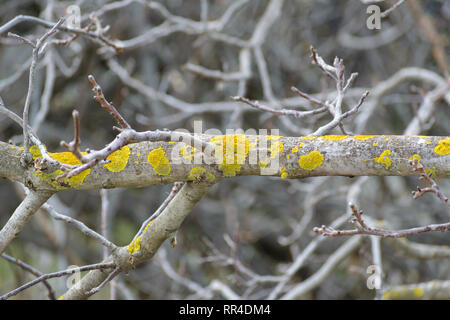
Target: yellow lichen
294,150
187,152
65,158
383,158
443,147
35,152
415,156
274,137
275,149
171,142
119,159
311,161
309,138
364,137
418,292
135,245
284,174
263,163
231,152
333,137
160,163
375,144
253,144
148,225
198,173
386,295
61,297
431,172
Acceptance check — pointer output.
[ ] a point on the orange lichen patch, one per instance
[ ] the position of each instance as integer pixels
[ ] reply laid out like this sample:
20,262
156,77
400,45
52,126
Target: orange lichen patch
284,174
231,152
309,138
275,149
387,139
198,173
119,159
375,144
332,137
294,150
364,137
171,142
443,147
311,161
383,158
138,154
13,147
160,163
415,156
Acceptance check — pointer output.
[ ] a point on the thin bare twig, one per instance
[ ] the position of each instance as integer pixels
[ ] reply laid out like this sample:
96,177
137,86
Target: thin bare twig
58,274
33,271
363,228
100,98
434,187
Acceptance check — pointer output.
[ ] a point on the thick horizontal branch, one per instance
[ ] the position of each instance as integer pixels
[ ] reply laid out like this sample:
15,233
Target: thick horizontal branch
155,163
436,289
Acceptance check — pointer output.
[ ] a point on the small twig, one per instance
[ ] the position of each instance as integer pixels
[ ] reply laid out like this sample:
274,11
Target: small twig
65,42
80,226
33,271
100,98
95,35
434,187
387,12
310,98
74,145
58,274
110,276
40,44
327,69
279,112
362,228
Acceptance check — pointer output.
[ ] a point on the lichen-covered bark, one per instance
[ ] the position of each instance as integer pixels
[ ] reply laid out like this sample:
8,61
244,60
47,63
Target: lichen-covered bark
143,164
